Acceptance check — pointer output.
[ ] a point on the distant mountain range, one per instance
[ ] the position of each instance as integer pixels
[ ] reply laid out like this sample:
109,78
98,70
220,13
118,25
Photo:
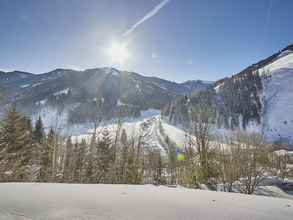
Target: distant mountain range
65,97
259,98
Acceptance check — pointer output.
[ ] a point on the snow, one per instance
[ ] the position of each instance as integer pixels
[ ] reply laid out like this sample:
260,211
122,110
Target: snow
51,116
138,87
115,72
253,127
64,91
284,62
24,201
284,53
278,96
112,71
41,102
120,103
37,84
25,85
175,134
281,152
149,121
272,191
149,113
218,87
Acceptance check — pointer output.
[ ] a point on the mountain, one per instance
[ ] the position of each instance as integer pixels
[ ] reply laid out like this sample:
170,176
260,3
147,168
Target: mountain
259,98
68,98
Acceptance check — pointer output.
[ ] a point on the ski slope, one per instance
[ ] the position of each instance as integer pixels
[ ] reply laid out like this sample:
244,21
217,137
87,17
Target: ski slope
37,201
155,137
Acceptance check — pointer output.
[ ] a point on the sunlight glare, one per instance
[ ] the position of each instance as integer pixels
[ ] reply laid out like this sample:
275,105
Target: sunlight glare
118,52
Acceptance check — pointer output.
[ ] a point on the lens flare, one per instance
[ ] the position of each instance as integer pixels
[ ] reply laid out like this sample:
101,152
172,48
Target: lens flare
118,52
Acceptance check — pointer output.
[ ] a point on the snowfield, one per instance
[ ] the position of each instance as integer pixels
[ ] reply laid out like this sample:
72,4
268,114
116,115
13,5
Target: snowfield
278,95
37,201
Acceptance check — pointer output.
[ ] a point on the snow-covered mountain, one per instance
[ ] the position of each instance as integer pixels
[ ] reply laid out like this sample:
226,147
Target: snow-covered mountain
259,98
69,100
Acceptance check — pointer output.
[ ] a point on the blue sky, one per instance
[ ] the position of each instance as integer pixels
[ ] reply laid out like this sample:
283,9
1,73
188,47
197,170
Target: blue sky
186,39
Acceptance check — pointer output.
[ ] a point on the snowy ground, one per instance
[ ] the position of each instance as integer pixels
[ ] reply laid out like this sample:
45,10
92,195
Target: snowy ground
23,201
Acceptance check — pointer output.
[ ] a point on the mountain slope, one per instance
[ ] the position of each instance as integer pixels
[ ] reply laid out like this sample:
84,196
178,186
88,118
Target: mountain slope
67,98
259,98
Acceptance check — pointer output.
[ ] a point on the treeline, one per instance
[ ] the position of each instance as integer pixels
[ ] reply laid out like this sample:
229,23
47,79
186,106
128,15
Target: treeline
28,153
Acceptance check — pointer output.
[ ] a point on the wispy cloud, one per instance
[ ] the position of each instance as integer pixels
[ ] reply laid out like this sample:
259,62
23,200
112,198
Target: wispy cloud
150,14
269,13
267,21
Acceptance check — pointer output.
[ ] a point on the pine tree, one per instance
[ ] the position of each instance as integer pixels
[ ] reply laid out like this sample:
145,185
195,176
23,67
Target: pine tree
105,156
51,158
68,161
15,146
131,168
124,154
89,175
39,133
79,155
47,157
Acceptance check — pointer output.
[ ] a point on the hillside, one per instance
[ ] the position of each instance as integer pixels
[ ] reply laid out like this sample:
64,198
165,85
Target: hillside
259,98
67,98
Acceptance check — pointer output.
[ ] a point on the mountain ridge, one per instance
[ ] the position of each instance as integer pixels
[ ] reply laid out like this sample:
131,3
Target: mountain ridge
258,99
74,95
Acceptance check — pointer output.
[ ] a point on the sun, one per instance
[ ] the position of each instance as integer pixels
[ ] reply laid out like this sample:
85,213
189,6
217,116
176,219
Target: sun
118,52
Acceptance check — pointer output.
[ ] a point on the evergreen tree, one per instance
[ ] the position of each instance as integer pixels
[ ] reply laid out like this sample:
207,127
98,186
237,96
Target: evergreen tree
124,154
39,133
68,161
105,156
47,158
79,154
15,146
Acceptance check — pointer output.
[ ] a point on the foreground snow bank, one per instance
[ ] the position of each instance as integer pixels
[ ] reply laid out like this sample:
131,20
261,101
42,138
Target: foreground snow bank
22,201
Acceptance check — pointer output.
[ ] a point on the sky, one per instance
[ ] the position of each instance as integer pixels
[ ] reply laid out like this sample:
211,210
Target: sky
173,39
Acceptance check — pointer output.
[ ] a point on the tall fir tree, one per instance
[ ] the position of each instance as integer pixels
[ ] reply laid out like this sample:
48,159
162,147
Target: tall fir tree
15,146
38,132
68,161
105,156
48,154
79,156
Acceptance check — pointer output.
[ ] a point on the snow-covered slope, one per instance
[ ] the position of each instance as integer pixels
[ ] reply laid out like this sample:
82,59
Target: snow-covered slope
35,201
278,104
283,61
154,130
258,99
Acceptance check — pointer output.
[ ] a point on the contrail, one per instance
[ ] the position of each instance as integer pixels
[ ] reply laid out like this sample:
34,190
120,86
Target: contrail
267,21
150,14
269,12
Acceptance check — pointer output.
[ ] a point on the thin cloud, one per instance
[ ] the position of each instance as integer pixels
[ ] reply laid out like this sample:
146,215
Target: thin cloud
150,14
269,13
267,21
